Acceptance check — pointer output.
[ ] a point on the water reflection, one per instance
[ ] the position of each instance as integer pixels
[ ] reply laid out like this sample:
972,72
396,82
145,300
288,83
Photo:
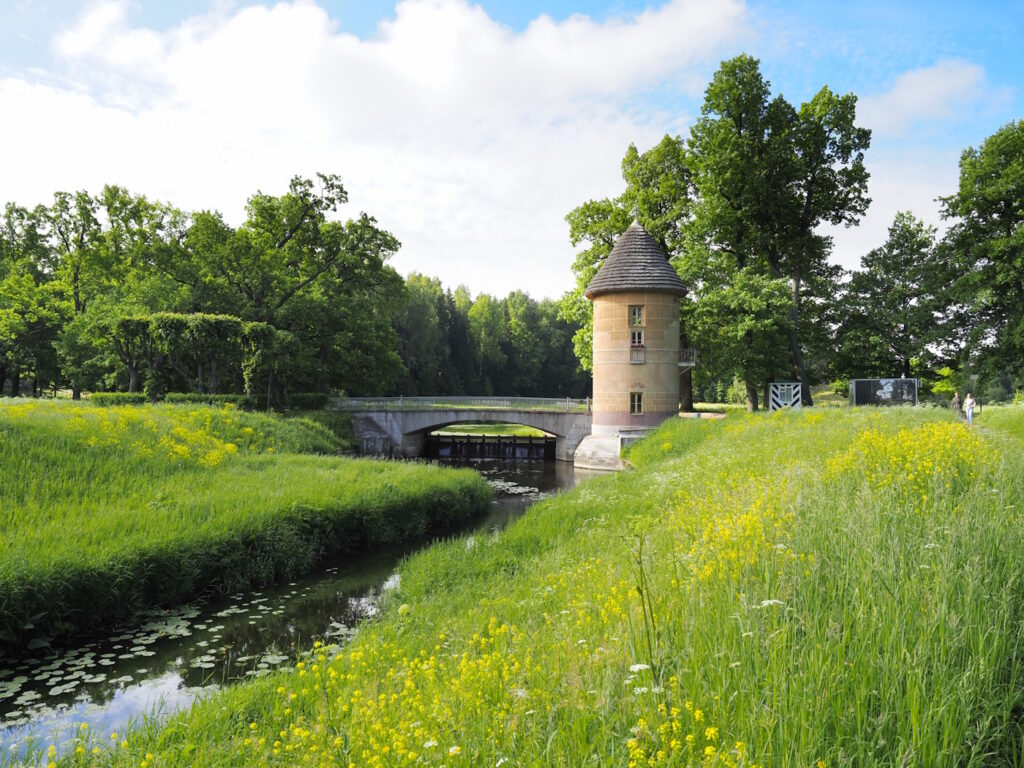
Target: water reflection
170,657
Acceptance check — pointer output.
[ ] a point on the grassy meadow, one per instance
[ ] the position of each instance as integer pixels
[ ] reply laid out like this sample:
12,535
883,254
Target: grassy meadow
104,511
804,589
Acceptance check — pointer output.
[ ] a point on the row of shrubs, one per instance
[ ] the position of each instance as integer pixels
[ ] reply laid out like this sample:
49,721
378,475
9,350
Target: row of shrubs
305,401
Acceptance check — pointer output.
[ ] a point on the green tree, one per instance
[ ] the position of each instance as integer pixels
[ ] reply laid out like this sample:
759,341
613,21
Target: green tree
768,176
521,345
595,224
102,249
487,326
986,249
658,194
742,321
561,374
454,317
344,334
31,304
84,272
422,342
893,304
285,246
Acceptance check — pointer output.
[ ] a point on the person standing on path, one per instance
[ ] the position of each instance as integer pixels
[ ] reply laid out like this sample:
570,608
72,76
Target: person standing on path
969,408
955,403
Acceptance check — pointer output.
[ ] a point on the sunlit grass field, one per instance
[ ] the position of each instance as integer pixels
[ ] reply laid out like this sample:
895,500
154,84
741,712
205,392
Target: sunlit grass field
803,589
104,511
1008,419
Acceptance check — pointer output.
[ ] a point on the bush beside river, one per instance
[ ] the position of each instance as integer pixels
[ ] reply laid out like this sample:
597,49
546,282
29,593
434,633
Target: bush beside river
807,588
107,511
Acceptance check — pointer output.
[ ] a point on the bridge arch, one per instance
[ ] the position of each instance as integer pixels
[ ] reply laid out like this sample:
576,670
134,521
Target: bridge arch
408,429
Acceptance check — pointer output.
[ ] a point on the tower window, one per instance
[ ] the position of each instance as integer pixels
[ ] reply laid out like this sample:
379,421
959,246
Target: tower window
636,338
636,314
636,403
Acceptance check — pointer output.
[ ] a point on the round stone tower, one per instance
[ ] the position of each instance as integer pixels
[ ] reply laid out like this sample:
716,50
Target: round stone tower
636,295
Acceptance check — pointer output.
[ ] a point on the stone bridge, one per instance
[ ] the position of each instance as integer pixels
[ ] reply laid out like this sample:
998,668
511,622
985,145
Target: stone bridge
400,425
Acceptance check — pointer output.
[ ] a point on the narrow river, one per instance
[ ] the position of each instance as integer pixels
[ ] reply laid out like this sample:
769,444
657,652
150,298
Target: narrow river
168,658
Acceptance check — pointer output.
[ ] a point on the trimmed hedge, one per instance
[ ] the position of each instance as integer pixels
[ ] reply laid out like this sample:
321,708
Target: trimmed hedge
300,401
118,398
207,398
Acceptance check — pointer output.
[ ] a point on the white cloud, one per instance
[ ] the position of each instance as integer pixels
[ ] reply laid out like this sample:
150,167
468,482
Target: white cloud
468,140
940,92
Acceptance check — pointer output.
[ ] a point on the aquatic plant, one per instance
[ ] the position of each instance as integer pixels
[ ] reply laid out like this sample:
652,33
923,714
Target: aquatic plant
106,511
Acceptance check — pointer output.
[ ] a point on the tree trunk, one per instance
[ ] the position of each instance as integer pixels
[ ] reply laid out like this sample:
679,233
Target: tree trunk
751,396
270,387
906,368
133,379
686,390
76,392
3,378
16,384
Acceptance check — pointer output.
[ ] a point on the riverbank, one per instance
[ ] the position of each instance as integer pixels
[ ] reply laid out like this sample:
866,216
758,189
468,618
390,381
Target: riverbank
838,587
109,511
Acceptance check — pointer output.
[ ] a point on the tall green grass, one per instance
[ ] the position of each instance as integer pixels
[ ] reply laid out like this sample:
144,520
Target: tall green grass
105,511
804,589
1008,419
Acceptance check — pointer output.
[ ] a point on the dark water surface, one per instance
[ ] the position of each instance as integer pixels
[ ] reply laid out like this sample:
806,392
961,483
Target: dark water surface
168,658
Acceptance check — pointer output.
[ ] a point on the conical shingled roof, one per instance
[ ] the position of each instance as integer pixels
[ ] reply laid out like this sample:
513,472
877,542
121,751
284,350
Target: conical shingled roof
636,263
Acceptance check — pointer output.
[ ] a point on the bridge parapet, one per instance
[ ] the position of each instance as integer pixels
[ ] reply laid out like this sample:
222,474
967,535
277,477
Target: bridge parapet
460,403
403,431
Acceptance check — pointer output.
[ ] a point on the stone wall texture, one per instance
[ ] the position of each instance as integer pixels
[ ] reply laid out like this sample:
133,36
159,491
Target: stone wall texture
615,377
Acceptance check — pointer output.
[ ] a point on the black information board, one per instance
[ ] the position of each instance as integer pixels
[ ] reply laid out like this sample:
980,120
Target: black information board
883,392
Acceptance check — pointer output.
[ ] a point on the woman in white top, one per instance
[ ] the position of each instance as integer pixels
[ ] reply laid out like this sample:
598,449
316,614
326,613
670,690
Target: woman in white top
969,408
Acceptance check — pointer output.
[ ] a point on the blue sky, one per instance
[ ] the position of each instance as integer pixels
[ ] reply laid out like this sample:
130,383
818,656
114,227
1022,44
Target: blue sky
471,129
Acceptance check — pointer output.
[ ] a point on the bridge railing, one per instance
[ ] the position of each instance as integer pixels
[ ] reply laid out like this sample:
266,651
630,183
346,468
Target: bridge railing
556,404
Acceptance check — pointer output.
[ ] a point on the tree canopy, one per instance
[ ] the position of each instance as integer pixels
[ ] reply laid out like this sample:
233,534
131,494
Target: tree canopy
986,249
114,291
736,206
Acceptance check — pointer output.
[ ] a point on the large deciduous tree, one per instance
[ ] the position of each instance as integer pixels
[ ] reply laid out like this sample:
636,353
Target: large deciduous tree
115,291
986,244
743,320
746,195
32,308
893,305
768,176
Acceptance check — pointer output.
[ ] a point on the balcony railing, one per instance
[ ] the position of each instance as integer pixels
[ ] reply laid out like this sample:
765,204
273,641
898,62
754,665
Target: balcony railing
687,358
637,354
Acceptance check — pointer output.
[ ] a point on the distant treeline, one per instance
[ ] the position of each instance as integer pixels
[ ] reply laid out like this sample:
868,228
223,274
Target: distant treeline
116,292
